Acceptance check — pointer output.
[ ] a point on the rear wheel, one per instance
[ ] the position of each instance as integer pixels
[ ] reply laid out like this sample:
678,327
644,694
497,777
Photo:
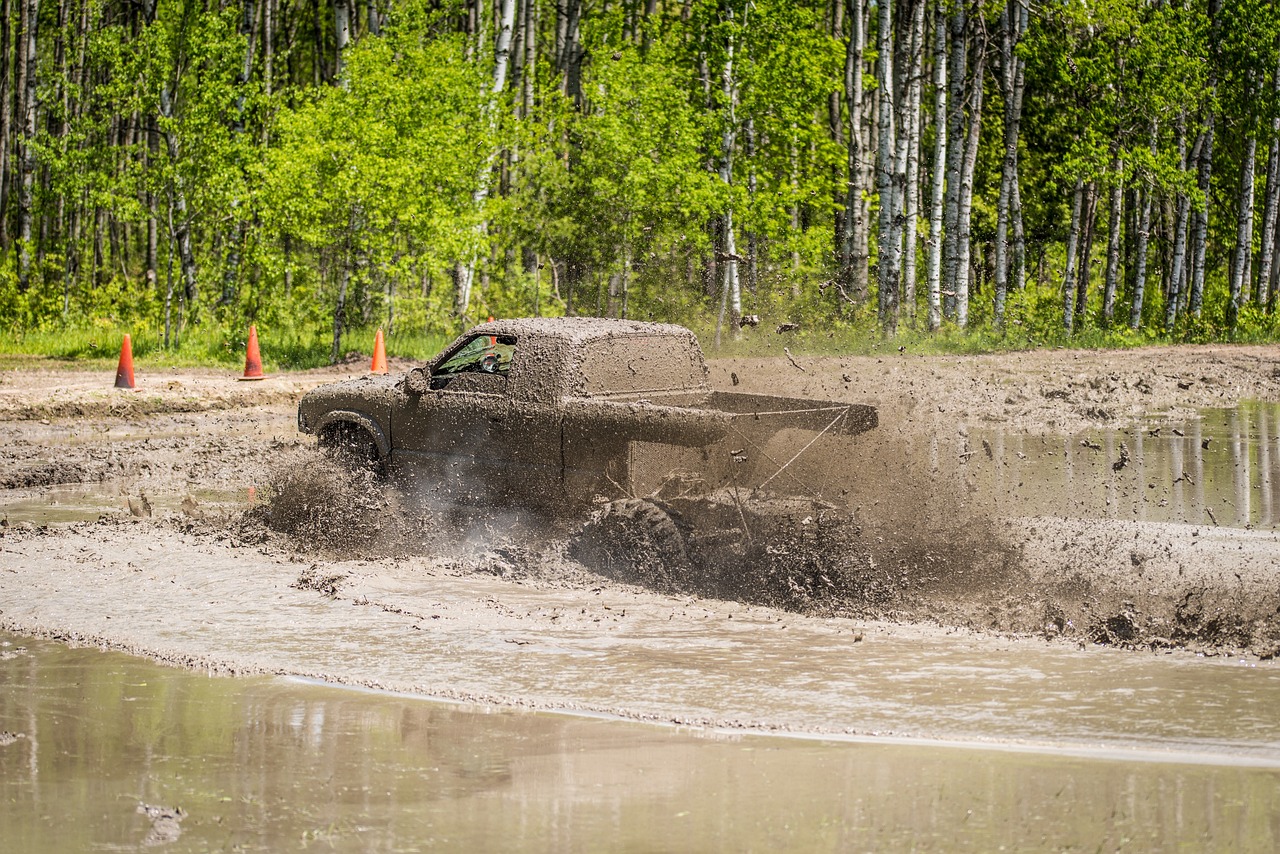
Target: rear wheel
633,540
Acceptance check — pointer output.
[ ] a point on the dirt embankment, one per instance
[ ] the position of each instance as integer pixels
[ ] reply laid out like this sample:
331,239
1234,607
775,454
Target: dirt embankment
929,547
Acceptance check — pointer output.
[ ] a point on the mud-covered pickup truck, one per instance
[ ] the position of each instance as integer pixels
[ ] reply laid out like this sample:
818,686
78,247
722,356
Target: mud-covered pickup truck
566,414
551,411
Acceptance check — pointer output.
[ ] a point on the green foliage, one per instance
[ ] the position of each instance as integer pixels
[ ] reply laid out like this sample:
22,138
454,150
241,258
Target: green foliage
375,177
589,186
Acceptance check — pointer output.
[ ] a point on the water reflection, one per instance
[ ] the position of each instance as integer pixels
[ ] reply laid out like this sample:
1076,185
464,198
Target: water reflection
1222,468
260,764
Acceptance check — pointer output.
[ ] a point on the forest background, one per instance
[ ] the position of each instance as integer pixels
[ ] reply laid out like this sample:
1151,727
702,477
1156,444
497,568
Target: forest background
926,173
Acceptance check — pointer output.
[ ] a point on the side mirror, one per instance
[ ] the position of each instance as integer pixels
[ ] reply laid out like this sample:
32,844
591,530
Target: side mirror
418,381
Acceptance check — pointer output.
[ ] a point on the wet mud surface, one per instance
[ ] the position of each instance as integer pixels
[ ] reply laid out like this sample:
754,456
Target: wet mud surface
1008,510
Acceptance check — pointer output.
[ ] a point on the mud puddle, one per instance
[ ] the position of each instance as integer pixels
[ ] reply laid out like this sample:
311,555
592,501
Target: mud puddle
200,763
1221,468
85,502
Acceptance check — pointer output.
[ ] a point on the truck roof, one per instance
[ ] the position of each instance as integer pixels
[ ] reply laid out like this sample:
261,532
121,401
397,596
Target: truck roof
576,330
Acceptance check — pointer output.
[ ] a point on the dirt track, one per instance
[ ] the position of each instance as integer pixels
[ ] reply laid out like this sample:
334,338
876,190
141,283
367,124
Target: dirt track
174,568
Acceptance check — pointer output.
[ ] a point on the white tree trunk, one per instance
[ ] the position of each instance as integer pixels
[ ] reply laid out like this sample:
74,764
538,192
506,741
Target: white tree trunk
955,159
1144,232
934,274
341,38
27,162
911,205
1270,208
963,236
1200,229
501,61
854,244
1113,241
890,246
1019,235
530,56
182,227
1178,276
1013,68
1244,232
731,293
1073,238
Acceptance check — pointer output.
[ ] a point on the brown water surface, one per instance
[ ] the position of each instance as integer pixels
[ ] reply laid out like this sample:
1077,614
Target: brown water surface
270,764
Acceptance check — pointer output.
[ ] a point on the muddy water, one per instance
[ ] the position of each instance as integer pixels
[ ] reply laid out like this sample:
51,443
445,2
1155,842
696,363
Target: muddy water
1222,468
85,502
270,764
1050,746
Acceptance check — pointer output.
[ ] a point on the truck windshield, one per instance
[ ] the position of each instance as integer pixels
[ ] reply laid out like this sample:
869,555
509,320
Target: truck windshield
488,354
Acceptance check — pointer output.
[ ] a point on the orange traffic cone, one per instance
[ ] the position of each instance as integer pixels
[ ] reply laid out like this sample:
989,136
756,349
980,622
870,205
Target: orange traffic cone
124,370
379,354
252,358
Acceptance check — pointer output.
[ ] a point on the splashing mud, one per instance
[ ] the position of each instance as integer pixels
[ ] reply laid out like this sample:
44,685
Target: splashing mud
803,556
935,516
922,550
325,506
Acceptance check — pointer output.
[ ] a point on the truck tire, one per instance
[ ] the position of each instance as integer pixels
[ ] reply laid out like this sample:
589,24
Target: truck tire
351,446
635,541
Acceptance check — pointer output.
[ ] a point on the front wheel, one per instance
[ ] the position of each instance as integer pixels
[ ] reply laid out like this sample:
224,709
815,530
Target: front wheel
351,446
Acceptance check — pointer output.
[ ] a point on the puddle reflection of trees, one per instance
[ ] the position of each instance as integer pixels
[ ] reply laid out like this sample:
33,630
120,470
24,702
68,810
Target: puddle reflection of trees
1219,469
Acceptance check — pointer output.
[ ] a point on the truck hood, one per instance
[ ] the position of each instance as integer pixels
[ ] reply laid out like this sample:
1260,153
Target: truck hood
370,395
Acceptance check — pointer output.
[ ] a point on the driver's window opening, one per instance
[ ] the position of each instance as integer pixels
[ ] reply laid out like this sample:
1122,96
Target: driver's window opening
483,354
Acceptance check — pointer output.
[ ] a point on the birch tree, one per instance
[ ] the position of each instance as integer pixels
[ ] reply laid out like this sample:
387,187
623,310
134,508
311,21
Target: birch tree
887,182
969,164
731,290
466,269
1271,202
959,47
1013,24
854,240
1116,207
938,182
7,62
27,152
1073,241
909,149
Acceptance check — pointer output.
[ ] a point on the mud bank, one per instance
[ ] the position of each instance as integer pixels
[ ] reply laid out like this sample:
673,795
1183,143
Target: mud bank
1041,391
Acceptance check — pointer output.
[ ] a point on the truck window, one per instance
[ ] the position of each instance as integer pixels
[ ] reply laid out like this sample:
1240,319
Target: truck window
481,365
636,365
488,354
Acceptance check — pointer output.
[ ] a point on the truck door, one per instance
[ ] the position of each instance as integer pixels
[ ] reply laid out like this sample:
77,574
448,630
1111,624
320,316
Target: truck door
450,438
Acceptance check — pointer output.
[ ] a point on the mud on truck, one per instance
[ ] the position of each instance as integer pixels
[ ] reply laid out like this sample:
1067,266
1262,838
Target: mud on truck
612,424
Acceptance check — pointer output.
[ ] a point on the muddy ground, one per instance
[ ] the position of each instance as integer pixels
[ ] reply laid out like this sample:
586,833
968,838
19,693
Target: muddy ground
206,488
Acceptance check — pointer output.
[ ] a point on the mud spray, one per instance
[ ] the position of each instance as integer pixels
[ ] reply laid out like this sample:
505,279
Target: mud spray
896,536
